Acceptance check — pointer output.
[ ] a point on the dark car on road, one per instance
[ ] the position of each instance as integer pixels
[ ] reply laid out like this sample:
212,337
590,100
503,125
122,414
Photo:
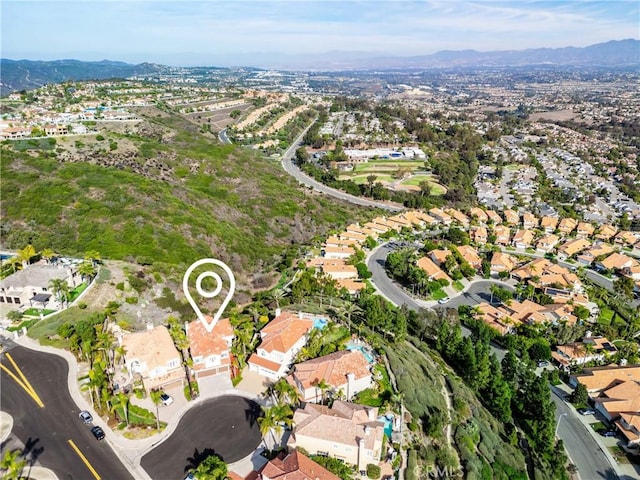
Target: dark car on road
97,432
608,433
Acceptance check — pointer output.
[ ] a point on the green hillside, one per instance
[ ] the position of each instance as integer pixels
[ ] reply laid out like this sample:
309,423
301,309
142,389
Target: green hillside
166,193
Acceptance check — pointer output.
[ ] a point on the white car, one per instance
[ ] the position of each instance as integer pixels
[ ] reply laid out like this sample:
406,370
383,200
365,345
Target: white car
166,399
443,300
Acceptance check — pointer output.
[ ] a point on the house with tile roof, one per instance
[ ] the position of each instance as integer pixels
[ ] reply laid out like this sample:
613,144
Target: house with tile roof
346,431
547,243
522,239
511,217
616,261
337,252
345,371
572,247
281,340
432,270
602,378
549,224
458,217
625,237
356,237
567,225
479,214
503,235
494,217
470,256
334,241
152,354
584,230
479,235
339,269
496,318
590,349
439,256
210,351
629,426
605,232
529,221
294,465
597,250
441,216
502,262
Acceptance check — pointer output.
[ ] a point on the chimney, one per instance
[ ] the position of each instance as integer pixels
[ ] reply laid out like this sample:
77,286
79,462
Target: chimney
372,414
623,362
149,326
367,429
587,334
350,378
300,314
278,312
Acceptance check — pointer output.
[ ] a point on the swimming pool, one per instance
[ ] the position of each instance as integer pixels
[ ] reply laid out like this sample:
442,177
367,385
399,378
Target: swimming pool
320,323
388,425
365,352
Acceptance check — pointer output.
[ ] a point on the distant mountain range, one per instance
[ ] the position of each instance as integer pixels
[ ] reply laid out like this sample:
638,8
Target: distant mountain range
28,74
19,75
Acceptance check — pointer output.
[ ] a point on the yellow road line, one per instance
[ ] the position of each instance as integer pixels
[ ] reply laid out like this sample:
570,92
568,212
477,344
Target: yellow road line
31,393
24,379
84,459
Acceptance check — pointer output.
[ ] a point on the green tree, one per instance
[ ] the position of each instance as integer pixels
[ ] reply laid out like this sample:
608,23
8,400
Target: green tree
13,464
87,270
268,424
156,398
26,254
48,254
580,395
624,286
60,289
211,468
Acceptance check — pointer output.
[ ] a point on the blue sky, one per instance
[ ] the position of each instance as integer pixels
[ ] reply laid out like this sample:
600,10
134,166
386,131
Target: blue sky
241,32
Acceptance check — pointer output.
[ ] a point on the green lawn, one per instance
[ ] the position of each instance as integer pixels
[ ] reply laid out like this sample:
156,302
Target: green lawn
43,329
606,315
360,179
438,294
377,165
458,286
75,293
35,312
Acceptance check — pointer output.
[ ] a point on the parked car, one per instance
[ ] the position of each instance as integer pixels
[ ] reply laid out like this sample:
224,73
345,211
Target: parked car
443,300
85,417
97,432
543,363
190,476
608,433
586,411
166,399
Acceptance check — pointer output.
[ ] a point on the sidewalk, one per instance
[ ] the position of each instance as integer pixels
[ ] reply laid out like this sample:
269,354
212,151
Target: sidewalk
129,451
622,470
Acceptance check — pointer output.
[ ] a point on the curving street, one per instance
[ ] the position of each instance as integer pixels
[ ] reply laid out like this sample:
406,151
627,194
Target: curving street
46,432
225,425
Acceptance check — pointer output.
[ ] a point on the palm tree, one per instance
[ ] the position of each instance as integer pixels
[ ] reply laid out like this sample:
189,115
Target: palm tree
26,254
121,400
284,393
371,179
347,310
87,270
92,256
268,423
48,254
156,398
323,386
15,262
276,295
181,341
211,468
12,465
60,289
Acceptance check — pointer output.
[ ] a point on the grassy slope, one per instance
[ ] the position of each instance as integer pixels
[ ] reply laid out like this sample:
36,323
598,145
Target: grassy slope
216,200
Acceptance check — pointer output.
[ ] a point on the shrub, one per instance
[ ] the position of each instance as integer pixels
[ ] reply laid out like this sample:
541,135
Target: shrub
131,300
373,471
100,138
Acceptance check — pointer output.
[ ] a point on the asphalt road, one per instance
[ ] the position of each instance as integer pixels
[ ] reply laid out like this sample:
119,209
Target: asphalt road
47,430
579,442
225,425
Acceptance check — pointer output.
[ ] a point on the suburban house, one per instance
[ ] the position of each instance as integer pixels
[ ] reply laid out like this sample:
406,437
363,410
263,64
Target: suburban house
439,256
432,270
584,230
572,247
567,225
352,286
479,214
337,252
511,217
598,250
503,235
282,338
376,227
529,221
294,465
334,241
470,256
629,425
496,318
590,349
367,232
356,237
479,235
211,351
606,232
458,217
346,431
152,354
502,262
345,371
522,239
546,243
339,269
494,217
549,224
616,261
625,237
30,286
441,216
